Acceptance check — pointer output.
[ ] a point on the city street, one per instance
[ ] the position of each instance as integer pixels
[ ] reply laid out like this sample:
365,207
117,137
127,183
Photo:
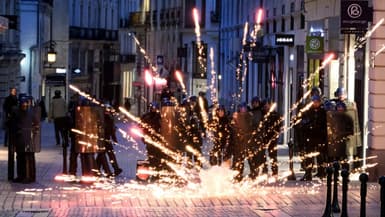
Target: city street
213,196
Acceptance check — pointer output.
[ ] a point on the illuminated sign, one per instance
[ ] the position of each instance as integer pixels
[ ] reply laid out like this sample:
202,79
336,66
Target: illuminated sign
284,39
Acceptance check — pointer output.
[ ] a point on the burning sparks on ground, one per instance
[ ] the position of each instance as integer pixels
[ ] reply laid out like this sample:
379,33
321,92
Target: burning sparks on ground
198,181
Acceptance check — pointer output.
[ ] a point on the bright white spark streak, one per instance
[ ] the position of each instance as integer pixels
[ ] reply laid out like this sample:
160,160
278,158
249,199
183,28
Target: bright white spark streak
379,51
179,77
143,51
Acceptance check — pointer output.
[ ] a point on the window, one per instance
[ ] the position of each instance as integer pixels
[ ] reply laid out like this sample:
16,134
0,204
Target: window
292,7
283,25
274,12
283,10
267,13
302,21
291,23
81,14
302,5
267,27
274,26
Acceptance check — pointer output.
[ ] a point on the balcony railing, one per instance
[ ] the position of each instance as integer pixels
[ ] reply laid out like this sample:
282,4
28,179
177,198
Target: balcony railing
93,34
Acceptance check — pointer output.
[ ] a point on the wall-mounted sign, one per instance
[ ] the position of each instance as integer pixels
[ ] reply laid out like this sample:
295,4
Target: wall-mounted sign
284,39
314,44
355,15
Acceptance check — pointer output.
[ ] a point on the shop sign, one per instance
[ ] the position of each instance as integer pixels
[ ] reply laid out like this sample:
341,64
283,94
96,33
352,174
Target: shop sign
355,15
314,44
284,39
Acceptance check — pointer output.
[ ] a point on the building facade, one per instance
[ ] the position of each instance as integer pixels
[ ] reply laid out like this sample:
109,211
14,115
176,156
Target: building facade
10,53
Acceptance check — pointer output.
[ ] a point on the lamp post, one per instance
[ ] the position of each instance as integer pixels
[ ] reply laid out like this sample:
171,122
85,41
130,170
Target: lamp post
51,54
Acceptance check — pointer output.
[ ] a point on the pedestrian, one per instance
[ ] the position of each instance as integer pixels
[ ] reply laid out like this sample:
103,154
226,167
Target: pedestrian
315,132
27,142
10,104
9,107
271,130
220,125
58,113
242,134
41,103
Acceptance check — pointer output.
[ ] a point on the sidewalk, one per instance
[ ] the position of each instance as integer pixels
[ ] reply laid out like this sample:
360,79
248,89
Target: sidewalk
123,196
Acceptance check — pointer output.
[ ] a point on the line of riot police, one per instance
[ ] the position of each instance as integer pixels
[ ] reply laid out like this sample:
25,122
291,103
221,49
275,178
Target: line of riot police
327,131
249,134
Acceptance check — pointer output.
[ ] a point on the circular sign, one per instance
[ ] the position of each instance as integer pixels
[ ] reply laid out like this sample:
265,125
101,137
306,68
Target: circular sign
354,11
314,44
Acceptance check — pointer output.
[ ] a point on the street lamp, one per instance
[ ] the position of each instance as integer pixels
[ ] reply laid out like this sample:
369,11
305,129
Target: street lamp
51,54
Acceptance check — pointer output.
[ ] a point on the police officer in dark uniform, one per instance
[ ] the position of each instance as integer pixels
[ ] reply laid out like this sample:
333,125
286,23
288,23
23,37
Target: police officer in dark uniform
151,122
222,137
314,129
27,126
242,134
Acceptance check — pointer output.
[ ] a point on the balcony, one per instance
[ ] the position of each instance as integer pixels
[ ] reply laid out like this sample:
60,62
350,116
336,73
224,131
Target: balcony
10,53
138,19
93,34
127,58
49,2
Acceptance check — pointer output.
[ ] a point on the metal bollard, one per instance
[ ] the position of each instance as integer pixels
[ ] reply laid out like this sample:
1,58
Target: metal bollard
328,208
335,206
363,179
381,181
345,180
291,153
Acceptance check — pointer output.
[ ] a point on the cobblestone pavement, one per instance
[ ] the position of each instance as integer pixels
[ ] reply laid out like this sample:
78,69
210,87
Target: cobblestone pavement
126,197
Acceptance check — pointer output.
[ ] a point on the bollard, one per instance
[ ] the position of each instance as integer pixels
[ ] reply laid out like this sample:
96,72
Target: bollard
345,180
382,194
335,206
328,208
291,153
363,179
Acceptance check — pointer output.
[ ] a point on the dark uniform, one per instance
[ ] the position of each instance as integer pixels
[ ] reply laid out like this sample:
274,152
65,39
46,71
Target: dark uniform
151,122
221,128
242,134
315,137
9,107
27,141
271,130
340,127
256,147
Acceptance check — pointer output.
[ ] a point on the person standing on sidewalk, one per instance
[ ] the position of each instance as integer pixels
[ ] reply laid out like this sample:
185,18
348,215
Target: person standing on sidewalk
27,140
10,103
58,113
9,107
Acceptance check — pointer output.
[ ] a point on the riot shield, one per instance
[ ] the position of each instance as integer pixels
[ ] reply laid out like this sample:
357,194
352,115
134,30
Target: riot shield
89,123
339,129
36,130
168,124
355,140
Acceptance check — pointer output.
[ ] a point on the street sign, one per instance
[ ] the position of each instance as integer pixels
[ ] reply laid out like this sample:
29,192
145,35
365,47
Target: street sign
355,16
